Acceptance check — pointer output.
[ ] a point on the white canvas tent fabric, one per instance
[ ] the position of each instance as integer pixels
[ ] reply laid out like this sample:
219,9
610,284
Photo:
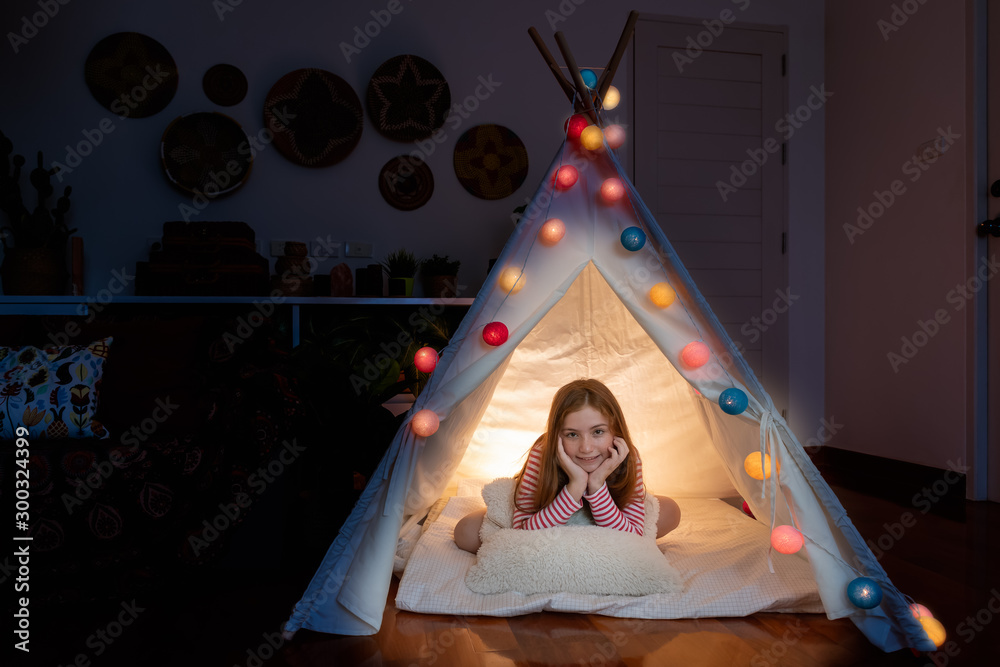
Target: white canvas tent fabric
582,309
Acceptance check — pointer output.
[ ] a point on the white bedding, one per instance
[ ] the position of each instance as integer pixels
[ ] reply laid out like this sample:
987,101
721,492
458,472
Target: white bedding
720,552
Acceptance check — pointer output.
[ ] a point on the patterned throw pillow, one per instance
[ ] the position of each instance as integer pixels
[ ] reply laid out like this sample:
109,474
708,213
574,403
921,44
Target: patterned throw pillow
52,391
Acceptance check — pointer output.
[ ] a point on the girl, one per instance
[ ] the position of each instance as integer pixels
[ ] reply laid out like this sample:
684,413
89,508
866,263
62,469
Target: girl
584,461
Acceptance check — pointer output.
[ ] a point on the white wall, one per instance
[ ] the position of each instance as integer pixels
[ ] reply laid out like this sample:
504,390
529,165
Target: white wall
121,196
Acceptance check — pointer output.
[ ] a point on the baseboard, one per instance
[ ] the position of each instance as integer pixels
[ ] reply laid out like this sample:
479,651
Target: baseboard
924,488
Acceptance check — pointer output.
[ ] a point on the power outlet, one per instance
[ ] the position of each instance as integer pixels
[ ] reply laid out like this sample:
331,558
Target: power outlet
357,249
325,249
277,248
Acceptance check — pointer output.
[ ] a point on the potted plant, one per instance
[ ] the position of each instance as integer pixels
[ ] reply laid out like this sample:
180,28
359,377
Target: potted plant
440,276
34,241
401,266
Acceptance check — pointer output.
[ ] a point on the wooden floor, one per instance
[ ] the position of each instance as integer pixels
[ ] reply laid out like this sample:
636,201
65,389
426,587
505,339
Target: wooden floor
948,561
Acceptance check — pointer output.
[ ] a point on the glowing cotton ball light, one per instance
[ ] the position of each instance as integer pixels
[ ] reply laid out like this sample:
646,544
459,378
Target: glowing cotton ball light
566,177
864,593
733,401
425,359
511,280
611,98
633,238
935,631
614,135
589,78
695,355
662,295
751,464
552,231
786,540
919,610
575,125
495,333
612,190
592,138
747,511
425,423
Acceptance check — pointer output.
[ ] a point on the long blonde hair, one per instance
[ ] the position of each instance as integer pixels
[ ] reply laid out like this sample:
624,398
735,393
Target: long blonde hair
551,478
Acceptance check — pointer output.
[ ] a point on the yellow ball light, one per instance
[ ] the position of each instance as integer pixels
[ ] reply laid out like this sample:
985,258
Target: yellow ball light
662,295
935,631
751,464
511,280
552,231
611,98
425,423
592,138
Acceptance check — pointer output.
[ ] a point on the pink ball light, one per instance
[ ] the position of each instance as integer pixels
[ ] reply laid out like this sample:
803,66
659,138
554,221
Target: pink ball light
614,135
552,231
695,355
425,359
612,190
919,610
566,177
495,333
425,423
786,540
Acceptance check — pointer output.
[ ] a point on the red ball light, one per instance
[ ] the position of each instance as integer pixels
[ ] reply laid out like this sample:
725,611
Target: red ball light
566,177
495,333
747,510
612,190
575,125
695,355
425,359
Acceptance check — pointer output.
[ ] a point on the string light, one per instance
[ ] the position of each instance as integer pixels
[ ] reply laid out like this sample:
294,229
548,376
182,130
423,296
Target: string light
425,423
425,359
552,231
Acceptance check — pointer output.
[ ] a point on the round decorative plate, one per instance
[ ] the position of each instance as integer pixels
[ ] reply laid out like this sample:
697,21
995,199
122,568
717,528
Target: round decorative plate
490,161
315,116
131,75
224,85
406,182
206,153
408,98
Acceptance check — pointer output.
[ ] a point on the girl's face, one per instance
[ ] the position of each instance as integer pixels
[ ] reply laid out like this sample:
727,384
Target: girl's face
587,438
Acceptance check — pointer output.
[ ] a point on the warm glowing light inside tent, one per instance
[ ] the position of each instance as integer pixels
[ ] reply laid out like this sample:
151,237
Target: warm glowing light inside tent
733,401
611,98
592,138
425,359
662,295
575,125
511,280
566,177
864,593
786,540
425,423
747,510
614,135
495,333
589,78
612,190
633,238
552,231
751,464
695,355
919,610
935,631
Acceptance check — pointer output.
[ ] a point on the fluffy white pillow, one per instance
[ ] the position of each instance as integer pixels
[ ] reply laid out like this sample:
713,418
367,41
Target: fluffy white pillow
571,559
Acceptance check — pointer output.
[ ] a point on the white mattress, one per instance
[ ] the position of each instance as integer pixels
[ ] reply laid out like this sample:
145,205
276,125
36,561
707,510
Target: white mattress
720,552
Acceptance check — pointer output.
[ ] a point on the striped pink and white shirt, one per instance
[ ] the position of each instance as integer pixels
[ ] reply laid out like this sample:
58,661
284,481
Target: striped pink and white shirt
602,506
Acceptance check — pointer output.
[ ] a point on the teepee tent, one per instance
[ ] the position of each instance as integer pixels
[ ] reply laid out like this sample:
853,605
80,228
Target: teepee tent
589,286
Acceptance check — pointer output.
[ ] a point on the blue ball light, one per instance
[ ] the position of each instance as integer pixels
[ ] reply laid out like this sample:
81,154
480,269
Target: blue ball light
633,238
589,78
864,593
733,401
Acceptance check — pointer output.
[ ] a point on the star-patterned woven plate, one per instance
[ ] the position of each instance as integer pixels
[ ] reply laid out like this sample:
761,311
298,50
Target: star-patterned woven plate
408,98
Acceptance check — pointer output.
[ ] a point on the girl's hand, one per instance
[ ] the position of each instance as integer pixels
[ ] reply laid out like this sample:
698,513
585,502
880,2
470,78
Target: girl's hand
577,476
616,454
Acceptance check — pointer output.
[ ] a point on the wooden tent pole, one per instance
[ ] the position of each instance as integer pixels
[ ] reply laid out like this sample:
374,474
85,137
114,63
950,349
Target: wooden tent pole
609,71
581,87
553,66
